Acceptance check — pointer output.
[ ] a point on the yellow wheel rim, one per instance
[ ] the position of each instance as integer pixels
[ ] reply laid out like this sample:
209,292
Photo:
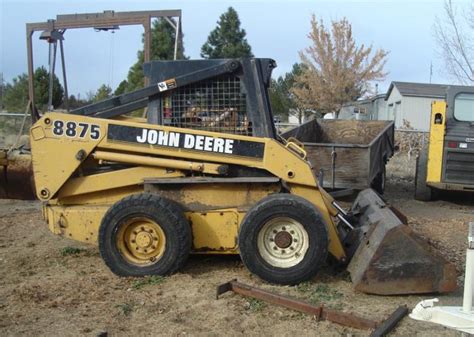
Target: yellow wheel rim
141,241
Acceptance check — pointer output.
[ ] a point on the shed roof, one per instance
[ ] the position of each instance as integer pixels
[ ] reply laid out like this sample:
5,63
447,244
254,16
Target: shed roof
418,89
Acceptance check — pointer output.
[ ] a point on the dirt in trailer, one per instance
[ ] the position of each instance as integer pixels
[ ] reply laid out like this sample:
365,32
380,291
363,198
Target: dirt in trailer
54,286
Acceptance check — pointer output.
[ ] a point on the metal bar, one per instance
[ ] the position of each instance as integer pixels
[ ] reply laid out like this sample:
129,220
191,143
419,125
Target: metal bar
11,114
88,20
172,24
319,311
391,322
52,65
344,220
346,319
158,162
176,37
109,14
63,65
123,109
212,180
147,45
266,296
333,167
339,208
31,74
151,90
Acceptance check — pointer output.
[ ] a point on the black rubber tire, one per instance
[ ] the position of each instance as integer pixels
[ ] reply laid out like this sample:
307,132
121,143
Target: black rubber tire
164,212
378,183
295,207
422,191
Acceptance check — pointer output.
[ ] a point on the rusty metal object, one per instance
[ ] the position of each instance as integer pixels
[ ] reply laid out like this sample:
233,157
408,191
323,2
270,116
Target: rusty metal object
319,312
391,322
16,175
390,258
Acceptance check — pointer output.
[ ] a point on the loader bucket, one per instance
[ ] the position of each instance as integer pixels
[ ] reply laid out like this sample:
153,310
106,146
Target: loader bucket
16,175
391,259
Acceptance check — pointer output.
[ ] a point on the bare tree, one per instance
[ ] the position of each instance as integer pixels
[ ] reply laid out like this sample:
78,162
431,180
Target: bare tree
335,69
454,33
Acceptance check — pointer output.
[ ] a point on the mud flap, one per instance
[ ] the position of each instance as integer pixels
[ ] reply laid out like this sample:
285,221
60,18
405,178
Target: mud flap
390,258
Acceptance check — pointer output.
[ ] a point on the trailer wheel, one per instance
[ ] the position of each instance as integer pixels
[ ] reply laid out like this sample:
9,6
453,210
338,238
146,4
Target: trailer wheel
422,191
144,234
283,239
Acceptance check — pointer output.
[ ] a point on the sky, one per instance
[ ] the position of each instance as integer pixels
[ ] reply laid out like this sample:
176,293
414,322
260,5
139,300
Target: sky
275,29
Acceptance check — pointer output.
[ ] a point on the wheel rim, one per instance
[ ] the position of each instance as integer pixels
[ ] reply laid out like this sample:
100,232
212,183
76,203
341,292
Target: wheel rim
141,241
283,242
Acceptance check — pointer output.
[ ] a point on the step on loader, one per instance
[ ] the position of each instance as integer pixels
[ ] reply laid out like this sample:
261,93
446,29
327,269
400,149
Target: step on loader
205,172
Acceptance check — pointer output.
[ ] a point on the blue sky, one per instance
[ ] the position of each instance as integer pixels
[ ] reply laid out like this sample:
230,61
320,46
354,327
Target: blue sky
275,29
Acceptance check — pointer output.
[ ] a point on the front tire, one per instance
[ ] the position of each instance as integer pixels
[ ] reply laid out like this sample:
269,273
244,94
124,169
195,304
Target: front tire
283,239
144,234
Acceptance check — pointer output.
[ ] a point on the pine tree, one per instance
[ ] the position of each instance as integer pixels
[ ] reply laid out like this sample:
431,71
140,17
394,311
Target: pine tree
227,40
102,93
162,48
15,95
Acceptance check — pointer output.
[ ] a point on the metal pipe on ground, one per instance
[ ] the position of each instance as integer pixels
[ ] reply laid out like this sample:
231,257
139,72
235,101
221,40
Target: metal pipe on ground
318,311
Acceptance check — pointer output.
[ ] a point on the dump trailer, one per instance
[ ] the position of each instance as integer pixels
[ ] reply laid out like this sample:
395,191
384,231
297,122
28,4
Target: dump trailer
347,154
206,173
447,162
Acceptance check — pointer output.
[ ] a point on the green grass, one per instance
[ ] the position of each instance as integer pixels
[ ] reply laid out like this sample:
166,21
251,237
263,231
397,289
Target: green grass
149,280
125,308
318,294
256,305
66,251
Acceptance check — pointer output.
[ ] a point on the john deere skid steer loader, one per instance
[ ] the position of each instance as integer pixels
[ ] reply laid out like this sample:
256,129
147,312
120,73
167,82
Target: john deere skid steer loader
206,173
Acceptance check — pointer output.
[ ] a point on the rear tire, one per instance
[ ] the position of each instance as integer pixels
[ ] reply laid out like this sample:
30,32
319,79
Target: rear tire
144,234
283,239
422,191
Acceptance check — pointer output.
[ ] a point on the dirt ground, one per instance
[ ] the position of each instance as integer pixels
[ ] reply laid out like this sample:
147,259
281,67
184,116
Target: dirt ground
54,286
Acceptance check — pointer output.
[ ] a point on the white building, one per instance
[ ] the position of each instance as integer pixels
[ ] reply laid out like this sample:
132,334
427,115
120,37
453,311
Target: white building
411,102
403,101
365,109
